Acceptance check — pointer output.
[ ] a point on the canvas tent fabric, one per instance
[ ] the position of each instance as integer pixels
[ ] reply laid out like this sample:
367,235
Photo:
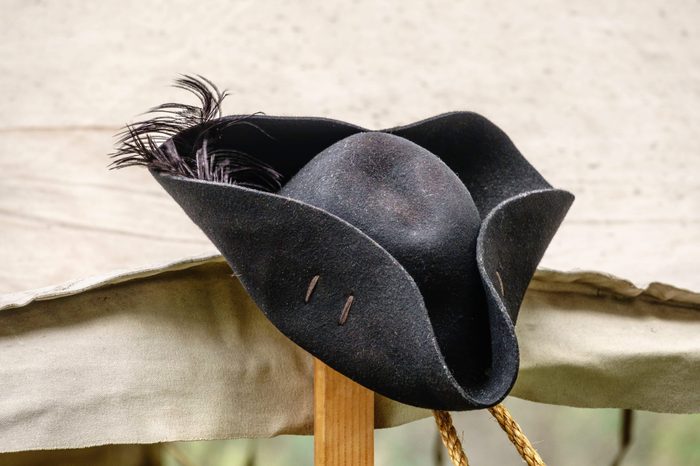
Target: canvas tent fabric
180,352
613,127
602,101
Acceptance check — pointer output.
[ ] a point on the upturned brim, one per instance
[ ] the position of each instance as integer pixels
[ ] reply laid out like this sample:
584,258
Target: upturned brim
277,245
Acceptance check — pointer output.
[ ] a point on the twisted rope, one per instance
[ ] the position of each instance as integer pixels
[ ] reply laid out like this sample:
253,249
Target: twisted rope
450,438
505,420
516,435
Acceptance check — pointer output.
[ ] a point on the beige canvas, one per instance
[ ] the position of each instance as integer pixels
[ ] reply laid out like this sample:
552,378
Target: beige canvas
180,352
601,96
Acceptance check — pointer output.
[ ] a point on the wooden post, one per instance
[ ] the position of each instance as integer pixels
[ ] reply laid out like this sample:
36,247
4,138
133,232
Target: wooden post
343,420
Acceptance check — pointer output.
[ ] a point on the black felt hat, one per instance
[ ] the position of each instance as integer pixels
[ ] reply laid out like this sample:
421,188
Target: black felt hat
398,257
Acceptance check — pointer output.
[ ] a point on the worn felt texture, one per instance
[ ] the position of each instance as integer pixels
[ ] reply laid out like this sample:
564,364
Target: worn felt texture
424,328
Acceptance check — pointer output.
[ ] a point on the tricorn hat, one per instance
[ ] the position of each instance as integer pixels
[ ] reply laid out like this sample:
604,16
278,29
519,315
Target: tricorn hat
398,257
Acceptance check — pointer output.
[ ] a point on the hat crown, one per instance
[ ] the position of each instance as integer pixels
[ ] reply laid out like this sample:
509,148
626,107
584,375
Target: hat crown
403,197
410,202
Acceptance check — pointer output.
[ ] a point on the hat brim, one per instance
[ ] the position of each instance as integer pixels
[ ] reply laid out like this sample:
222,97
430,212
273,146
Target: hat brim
276,245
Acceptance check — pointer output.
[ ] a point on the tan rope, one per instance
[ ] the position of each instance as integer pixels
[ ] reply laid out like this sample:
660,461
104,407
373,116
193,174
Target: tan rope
450,438
507,423
516,435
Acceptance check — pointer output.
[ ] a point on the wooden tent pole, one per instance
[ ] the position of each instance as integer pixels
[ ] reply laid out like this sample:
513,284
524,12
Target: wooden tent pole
343,420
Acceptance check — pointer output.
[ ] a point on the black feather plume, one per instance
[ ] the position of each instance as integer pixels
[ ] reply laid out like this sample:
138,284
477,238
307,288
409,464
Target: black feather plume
152,142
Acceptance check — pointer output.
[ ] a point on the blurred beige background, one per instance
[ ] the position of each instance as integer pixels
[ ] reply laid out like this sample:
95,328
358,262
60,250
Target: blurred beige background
603,97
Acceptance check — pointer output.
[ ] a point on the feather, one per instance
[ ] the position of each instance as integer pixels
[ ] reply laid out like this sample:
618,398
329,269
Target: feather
151,142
